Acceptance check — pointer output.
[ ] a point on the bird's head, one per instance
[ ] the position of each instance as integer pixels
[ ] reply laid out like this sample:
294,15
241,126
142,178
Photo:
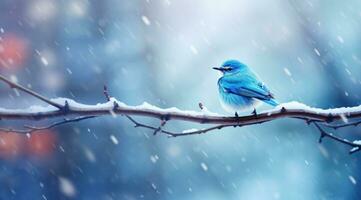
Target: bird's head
230,67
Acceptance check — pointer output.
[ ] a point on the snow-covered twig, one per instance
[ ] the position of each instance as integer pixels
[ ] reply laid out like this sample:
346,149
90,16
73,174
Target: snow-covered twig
63,107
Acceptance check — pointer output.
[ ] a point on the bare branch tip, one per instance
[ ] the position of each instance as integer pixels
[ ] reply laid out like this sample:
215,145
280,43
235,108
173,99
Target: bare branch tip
201,106
354,150
65,108
106,93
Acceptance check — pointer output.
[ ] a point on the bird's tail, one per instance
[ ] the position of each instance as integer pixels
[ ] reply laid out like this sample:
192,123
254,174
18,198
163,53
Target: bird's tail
272,102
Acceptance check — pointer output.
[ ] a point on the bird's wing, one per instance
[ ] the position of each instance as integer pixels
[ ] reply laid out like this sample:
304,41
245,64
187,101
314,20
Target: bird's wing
245,86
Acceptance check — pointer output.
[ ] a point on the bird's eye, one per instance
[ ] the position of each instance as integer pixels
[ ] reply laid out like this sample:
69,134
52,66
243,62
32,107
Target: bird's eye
227,68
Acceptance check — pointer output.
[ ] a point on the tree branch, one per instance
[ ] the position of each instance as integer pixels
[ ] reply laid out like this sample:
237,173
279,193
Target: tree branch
331,118
32,93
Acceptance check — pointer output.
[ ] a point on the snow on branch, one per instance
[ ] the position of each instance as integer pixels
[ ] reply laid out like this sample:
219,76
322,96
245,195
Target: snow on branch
73,111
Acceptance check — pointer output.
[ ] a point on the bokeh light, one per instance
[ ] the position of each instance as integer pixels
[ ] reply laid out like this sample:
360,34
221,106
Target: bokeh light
13,51
162,52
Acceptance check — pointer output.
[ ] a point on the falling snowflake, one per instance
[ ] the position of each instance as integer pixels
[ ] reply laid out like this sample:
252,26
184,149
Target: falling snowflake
287,71
193,49
44,61
89,155
317,52
352,179
154,158
145,20
204,166
66,187
340,39
114,139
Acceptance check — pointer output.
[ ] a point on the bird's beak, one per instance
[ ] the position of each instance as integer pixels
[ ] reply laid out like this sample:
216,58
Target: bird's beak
217,68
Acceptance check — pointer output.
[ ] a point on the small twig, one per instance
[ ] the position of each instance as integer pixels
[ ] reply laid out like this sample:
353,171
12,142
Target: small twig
330,135
106,93
200,105
31,92
10,130
197,132
337,126
65,121
175,134
32,129
137,124
162,124
324,134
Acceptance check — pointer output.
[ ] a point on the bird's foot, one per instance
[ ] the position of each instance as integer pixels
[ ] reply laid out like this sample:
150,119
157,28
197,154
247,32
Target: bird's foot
254,112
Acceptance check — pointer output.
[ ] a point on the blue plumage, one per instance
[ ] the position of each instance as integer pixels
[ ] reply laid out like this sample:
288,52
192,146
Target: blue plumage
240,89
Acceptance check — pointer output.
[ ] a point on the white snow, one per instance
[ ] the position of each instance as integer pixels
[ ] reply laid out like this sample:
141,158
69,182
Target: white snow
174,150
300,60
190,130
77,8
145,20
108,106
154,186
287,71
89,155
352,179
44,61
317,52
294,105
193,49
204,166
344,118
306,162
354,149
114,139
69,71
31,109
154,158
348,71
357,142
66,187
167,2
149,107
340,39
13,78
207,112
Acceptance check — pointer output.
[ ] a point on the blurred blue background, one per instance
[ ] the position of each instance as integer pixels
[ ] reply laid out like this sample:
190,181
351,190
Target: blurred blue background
162,51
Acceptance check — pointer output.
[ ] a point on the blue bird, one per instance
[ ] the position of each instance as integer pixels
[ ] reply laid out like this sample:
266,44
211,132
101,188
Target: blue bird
240,89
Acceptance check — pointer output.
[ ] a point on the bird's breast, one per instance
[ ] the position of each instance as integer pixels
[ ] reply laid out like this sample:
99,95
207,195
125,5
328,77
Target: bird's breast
236,103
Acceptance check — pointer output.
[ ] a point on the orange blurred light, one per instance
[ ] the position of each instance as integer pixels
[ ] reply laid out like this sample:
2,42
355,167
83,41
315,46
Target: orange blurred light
12,51
41,143
10,144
